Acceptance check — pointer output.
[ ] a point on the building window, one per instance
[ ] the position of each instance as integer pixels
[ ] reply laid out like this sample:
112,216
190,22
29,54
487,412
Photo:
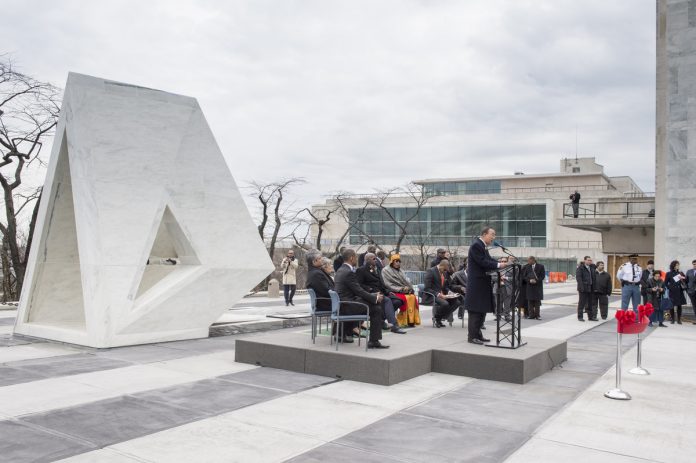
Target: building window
472,187
519,225
576,170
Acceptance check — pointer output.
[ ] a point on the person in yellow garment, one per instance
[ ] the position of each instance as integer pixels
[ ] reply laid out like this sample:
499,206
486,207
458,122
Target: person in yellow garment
398,283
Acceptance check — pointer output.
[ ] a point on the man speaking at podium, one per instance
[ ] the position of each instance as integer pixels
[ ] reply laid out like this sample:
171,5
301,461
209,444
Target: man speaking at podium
479,294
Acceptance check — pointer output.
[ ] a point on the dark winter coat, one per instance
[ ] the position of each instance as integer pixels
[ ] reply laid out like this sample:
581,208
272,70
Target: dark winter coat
479,290
585,278
676,292
535,291
321,283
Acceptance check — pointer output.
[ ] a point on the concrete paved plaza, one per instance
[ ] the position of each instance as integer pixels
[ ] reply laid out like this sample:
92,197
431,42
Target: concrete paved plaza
190,402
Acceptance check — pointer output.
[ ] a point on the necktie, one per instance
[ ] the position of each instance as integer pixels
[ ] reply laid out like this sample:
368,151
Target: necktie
633,269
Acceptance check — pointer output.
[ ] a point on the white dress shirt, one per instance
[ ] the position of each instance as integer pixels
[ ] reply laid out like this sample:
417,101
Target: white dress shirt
629,272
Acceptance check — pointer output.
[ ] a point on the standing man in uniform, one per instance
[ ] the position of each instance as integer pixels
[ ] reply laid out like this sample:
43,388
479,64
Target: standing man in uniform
479,291
585,278
575,202
629,275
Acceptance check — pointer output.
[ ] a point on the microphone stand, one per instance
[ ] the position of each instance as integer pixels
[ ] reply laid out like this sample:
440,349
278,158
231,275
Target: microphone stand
513,338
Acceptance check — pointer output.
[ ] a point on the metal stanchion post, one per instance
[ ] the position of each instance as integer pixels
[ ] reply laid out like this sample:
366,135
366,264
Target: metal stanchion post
617,393
639,370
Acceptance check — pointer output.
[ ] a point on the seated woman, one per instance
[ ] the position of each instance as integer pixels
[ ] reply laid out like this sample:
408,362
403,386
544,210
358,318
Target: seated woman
396,282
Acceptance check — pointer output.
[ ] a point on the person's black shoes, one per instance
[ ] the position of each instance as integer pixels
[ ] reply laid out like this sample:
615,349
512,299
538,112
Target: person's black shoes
439,324
292,303
376,345
581,319
594,320
476,341
483,327
485,340
537,318
398,330
662,325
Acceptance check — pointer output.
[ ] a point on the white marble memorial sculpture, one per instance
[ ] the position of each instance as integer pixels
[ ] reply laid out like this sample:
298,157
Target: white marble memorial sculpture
142,235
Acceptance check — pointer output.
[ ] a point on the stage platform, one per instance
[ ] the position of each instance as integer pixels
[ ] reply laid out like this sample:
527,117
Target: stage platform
423,350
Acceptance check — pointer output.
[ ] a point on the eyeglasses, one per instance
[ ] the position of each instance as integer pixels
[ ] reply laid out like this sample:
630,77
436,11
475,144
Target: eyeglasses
397,260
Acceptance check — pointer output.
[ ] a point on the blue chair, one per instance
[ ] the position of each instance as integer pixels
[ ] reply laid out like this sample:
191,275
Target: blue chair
336,316
317,315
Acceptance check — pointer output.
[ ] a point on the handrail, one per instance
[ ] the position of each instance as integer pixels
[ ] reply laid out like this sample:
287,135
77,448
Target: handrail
539,189
624,209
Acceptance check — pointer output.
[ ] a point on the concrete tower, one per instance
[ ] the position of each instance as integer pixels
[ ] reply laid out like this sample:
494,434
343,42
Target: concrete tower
675,173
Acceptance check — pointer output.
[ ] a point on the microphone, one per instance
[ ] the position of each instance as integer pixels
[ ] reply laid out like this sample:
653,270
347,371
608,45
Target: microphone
499,245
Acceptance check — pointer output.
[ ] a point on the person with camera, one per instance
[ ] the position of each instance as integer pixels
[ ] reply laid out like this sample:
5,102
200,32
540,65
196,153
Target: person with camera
289,269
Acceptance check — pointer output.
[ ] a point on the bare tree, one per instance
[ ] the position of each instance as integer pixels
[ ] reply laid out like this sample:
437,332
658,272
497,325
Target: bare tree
354,221
28,115
420,238
414,195
271,197
319,218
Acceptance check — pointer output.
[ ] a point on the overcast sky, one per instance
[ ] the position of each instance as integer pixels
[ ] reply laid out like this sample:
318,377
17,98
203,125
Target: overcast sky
357,94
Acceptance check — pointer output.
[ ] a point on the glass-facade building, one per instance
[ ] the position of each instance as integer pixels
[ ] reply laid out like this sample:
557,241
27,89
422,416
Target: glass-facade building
468,187
517,225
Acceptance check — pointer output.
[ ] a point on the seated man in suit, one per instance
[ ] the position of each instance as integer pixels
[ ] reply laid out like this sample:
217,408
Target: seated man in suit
321,282
437,284
349,289
369,277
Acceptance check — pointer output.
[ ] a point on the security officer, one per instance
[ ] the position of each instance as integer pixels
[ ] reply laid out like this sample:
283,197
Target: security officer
629,275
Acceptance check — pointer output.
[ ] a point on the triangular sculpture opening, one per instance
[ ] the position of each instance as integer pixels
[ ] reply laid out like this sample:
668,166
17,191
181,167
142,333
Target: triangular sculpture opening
171,251
56,296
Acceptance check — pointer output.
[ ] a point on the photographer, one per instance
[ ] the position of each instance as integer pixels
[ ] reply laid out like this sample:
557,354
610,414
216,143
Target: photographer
289,267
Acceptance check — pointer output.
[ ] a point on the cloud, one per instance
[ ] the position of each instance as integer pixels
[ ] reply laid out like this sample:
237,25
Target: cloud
360,94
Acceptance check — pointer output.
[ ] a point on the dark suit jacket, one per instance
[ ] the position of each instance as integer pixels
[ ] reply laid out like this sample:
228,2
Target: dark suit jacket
535,291
433,284
337,263
479,293
349,289
370,279
585,278
644,277
321,283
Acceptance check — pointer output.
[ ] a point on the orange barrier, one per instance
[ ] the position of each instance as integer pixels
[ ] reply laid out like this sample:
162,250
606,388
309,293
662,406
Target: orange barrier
564,277
553,277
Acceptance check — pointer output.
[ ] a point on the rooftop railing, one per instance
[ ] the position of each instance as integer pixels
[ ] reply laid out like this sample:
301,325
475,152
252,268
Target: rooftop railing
613,209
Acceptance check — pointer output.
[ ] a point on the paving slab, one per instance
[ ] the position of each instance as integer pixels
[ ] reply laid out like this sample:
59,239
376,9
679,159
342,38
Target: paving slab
284,380
116,420
217,439
21,443
543,451
417,438
9,376
210,396
340,453
499,412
